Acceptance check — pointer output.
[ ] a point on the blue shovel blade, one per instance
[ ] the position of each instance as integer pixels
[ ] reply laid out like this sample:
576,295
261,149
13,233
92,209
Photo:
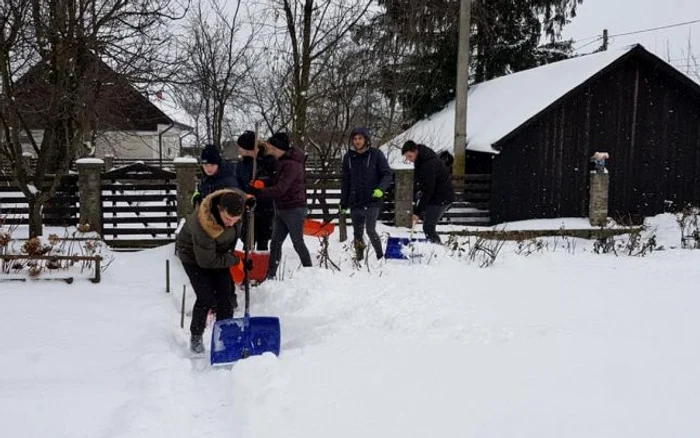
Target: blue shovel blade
238,338
394,247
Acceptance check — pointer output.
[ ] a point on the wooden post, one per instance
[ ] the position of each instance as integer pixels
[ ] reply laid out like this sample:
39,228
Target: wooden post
599,191
90,187
343,227
182,309
403,198
460,139
167,276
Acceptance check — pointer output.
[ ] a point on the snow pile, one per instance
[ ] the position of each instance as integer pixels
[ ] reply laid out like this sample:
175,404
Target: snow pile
560,343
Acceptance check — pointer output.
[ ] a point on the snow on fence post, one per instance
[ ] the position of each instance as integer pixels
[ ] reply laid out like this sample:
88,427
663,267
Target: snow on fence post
90,187
599,188
403,197
186,171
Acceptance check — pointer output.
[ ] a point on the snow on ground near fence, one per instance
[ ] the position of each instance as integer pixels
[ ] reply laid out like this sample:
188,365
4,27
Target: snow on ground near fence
563,343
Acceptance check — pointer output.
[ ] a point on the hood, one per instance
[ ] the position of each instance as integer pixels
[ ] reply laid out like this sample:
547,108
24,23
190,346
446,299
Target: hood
295,154
425,154
363,132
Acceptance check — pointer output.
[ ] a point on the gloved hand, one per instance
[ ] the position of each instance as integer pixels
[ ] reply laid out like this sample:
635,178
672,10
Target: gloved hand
249,265
258,184
196,197
343,210
377,193
250,201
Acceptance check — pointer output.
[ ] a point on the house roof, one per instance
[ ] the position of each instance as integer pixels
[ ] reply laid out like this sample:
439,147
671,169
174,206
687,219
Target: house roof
500,106
117,105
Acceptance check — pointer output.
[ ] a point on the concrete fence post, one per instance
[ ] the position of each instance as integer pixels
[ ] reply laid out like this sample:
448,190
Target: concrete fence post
90,189
403,197
186,170
599,191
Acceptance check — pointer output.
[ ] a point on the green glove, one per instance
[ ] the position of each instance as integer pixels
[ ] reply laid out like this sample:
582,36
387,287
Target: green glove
377,193
196,196
343,211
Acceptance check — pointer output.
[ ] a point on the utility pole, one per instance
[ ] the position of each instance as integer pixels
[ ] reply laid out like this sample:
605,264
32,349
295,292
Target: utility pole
462,88
605,39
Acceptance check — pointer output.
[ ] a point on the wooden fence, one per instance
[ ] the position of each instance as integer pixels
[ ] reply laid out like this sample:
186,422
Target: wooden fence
139,203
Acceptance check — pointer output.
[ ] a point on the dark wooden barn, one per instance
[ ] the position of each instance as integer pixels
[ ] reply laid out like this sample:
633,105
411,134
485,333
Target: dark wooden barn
630,103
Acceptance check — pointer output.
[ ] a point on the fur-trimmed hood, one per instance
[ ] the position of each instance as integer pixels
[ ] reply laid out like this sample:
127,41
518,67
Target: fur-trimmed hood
205,216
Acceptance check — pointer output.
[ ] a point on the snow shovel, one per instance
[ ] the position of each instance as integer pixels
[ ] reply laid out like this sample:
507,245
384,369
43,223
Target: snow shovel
239,338
394,246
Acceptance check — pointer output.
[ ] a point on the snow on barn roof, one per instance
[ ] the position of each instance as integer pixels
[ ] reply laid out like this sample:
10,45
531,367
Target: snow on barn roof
499,106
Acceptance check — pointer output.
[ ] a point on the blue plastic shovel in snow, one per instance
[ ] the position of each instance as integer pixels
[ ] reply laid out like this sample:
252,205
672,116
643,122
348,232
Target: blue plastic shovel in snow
395,245
238,338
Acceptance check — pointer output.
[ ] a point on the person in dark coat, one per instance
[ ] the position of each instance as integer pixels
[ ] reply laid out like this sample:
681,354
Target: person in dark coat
205,246
288,191
433,183
218,174
264,170
366,176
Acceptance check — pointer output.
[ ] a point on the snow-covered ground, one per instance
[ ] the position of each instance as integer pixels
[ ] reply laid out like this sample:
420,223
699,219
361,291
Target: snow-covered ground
561,343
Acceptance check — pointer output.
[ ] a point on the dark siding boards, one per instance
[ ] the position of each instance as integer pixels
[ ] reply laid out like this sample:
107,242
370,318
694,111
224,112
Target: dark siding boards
542,171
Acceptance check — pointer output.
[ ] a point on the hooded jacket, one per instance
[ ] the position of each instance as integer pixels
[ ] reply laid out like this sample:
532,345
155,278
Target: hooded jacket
362,173
432,180
288,189
204,241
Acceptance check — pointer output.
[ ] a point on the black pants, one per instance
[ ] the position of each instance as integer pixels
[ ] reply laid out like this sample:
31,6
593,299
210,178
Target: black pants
215,290
433,214
263,228
288,222
366,217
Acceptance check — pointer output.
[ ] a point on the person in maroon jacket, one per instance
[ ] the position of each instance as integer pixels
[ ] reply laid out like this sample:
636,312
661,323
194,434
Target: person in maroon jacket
289,193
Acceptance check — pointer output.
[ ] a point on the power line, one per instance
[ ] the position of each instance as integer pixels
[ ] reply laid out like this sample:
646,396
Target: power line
652,29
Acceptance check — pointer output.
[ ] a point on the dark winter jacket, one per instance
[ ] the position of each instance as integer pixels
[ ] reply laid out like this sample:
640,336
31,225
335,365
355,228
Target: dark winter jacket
264,172
362,173
432,180
225,178
288,189
204,240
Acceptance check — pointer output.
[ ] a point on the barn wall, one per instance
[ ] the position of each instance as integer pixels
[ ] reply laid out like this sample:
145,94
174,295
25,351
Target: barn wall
542,171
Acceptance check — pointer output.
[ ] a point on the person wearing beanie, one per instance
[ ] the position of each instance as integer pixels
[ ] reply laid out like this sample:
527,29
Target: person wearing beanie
218,174
205,247
433,187
252,158
288,191
366,176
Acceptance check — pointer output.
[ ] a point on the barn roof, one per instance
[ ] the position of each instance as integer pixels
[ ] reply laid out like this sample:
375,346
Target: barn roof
500,106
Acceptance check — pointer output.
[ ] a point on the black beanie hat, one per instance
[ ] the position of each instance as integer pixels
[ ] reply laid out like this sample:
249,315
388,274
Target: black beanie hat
211,155
233,203
409,146
280,141
246,141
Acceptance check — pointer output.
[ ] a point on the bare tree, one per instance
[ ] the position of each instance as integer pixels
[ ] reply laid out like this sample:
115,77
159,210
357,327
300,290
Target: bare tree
311,29
73,47
217,45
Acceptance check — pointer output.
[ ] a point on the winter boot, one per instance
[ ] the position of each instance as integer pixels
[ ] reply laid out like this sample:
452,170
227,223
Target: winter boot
359,249
196,344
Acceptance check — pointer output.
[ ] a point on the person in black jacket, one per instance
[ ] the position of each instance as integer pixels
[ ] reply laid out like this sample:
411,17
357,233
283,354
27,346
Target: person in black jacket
205,246
264,171
433,183
218,174
366,175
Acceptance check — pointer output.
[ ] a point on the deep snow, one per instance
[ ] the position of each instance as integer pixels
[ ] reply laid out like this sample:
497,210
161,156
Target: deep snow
557,344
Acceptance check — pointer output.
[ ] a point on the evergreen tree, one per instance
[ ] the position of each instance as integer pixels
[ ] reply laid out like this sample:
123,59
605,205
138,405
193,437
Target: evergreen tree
506,37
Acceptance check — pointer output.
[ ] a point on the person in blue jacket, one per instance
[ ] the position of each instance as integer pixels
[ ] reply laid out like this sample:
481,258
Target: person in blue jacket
218,174
366,176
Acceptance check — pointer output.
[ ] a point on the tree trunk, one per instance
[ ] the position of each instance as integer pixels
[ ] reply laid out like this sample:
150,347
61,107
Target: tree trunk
35,219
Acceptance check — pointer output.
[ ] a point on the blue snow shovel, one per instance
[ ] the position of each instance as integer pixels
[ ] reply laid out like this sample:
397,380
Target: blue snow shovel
238,338
395,245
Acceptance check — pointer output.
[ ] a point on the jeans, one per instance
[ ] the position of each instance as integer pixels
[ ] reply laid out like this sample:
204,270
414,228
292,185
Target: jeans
433,214
214,290
288,222
367,217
